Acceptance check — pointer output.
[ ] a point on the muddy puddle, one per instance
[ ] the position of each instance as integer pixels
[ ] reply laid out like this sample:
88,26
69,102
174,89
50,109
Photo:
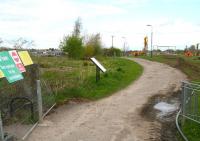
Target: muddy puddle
163,109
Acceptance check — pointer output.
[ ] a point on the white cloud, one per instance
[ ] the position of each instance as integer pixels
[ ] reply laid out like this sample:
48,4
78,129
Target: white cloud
47,21
177,32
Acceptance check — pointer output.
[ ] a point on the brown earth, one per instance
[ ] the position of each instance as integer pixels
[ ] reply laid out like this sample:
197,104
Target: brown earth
116,118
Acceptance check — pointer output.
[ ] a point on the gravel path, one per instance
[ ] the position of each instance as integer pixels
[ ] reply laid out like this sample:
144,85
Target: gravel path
116,118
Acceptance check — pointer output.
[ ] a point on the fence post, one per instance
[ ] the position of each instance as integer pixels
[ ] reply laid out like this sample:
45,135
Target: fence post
1,129
196,105
183,101
39,101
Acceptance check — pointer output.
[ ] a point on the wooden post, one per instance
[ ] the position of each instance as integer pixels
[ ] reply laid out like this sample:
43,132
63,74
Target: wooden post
1,129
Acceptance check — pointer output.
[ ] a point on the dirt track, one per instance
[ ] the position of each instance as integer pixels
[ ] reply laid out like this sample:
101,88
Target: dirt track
116,118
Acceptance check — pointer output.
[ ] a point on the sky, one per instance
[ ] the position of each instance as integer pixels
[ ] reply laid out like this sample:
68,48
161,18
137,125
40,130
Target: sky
46,22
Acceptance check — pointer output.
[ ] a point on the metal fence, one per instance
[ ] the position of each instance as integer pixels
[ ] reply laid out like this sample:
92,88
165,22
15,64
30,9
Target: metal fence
190,105
19,104
191,101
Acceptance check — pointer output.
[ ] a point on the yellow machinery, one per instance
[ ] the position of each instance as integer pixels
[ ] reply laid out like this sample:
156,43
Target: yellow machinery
145,49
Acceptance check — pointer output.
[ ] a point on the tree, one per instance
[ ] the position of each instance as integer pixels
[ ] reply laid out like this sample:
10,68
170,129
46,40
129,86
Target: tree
73,44
89,51
77,28
21,43
192,48
93,45
97,44
112,52
116,52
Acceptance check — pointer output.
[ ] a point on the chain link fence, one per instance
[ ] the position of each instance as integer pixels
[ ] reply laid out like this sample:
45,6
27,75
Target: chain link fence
19,103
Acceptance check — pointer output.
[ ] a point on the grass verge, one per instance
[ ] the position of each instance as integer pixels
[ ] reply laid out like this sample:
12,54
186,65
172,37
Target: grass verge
75,79
188,65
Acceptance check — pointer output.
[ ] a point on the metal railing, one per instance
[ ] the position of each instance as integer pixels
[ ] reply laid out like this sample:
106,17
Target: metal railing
190,101
190,105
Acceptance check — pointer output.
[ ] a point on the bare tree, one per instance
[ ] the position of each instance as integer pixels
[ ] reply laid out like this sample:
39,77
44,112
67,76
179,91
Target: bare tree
1,40
22,43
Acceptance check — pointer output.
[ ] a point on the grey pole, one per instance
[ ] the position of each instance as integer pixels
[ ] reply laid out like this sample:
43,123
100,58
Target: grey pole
124,45
1,129
112,40
183,101
39,101
151,39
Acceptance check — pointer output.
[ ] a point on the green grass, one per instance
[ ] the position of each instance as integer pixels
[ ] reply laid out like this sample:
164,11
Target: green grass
75,79
191,130
191,67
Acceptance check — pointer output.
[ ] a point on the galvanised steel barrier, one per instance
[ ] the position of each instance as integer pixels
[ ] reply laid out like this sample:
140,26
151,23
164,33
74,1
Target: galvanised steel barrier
190,105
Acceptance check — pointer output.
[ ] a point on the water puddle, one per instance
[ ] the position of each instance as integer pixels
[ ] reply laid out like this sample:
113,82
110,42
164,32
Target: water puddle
163,109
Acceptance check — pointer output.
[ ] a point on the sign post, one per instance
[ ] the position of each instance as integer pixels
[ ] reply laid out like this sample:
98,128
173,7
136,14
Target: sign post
99,68
97,74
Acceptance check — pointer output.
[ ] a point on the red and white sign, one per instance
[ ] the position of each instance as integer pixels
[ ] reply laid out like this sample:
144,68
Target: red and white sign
17,60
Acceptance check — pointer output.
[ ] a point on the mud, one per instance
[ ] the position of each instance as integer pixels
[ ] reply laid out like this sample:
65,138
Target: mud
168,131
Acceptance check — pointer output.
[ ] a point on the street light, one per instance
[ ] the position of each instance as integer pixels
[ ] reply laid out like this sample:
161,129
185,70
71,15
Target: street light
112,40
124,48
151,38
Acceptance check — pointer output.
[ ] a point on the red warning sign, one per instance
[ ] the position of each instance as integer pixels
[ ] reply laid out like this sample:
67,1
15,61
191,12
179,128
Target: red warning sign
17,60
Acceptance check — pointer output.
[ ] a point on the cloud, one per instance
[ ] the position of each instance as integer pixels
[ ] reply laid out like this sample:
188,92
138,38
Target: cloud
47,21
178,32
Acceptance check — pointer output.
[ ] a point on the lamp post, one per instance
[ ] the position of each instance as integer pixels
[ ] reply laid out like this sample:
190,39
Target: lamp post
151,38
124,46
112,40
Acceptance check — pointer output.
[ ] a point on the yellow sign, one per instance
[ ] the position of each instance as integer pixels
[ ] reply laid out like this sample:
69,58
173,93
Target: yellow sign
25,57
1,74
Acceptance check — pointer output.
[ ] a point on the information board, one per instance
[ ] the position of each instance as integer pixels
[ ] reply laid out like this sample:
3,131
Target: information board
25,57
8,67
96,62
17,60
